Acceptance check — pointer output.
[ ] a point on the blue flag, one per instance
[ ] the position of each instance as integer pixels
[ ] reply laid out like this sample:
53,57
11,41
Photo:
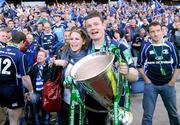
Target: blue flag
157,7
2,2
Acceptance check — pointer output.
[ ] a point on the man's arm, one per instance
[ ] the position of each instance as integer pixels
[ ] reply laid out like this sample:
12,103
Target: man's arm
27,83
174,77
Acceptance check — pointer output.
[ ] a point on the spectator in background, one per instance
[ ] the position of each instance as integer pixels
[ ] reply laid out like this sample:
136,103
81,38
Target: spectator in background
26,31
3,38
48,39
138,42
2,22
11,25
39,74
145,24
119,39
58,28
131,32
66,43
9,34
37,34
176,32
43,17
167,36
31,50
159,74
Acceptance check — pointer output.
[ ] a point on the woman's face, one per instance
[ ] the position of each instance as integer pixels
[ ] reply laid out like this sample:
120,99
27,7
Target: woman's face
76,42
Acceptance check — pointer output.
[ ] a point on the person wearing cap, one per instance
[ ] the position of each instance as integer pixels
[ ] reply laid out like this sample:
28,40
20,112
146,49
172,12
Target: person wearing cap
58,28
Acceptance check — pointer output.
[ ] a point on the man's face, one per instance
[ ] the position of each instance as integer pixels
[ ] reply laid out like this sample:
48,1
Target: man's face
3,37
164,30
47,28
11,24
25,31
156,33
95,28
41,57
67,36
29,38
57,19
40,27
142,33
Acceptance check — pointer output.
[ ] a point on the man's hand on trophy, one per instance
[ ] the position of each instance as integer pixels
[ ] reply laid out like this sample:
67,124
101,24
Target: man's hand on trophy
124,69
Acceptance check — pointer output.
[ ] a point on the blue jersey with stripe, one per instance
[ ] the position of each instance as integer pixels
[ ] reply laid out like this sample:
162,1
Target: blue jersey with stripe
13,66
154,57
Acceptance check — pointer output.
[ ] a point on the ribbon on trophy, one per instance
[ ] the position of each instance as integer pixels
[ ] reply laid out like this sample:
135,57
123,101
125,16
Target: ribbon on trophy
75,97
119,114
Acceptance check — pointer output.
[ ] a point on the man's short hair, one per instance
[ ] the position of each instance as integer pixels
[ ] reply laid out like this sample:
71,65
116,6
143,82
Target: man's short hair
92,14
154,23
18,37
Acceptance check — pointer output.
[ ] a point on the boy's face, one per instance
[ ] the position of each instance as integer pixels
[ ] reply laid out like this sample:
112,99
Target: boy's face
95,28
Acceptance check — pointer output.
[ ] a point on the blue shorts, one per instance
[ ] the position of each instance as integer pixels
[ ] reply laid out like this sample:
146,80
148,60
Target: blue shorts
11,96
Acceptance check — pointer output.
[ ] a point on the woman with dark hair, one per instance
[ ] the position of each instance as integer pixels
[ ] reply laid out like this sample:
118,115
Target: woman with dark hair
71,53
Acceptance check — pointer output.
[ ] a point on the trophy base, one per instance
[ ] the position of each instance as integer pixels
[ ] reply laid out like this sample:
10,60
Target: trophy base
125,118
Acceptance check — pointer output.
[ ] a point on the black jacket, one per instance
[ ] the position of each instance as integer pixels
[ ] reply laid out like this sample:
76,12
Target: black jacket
47,71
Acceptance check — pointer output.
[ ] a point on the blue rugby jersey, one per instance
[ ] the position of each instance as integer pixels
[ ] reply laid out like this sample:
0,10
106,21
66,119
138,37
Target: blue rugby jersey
150,59
31,53
59,31
48,40
13,66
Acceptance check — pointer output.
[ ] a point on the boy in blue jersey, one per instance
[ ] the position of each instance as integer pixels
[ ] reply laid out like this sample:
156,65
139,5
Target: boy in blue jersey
13,69
95,27
159,66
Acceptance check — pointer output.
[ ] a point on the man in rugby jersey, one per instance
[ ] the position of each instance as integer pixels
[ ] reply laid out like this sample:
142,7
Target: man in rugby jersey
13,68
159,66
